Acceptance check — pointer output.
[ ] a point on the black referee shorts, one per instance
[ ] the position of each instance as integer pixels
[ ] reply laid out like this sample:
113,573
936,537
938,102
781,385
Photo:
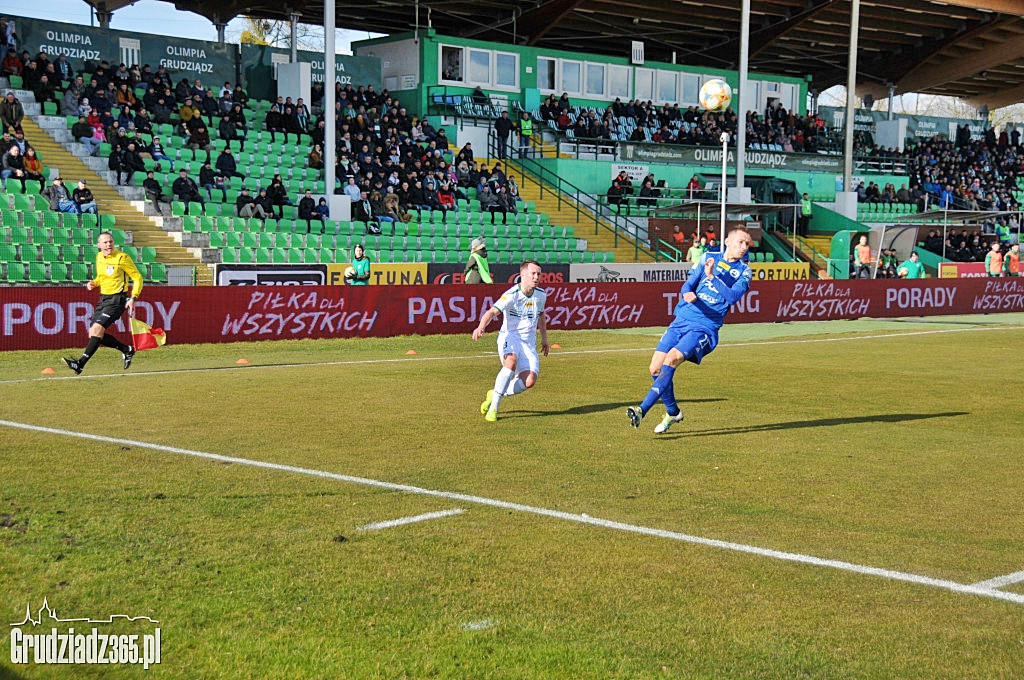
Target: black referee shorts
110,309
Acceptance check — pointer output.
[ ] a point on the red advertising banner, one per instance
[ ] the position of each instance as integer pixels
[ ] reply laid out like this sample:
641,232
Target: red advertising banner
58,318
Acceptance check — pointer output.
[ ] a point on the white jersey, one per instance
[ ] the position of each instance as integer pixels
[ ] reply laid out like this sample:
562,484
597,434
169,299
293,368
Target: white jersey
520,313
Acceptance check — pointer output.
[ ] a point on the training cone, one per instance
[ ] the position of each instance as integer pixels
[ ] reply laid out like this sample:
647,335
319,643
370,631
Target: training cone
243,360
556,346
412,351
47,371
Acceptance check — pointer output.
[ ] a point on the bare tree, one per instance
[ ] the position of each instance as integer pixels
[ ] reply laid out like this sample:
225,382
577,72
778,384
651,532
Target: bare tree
257,31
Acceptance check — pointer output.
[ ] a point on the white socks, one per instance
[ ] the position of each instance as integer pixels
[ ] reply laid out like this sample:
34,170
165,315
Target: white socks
502,384
517,386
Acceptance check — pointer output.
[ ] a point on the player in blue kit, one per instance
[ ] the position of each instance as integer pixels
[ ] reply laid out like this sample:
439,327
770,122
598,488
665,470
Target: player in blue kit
715,284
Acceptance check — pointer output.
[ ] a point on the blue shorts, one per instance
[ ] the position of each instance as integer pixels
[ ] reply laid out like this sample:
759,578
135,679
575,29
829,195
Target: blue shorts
694,345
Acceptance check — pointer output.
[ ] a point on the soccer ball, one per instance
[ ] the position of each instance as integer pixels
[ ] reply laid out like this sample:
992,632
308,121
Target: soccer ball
715,95
350,273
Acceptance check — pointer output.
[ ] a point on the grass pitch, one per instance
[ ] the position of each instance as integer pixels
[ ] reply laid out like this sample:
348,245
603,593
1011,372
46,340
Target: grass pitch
888,444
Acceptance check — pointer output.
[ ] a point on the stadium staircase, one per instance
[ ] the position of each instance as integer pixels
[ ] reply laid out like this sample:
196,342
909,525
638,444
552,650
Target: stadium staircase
565,212
814,249
145,233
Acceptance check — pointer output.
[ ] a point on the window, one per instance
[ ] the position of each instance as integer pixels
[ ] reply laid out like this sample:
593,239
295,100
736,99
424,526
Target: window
644,83
506,69
480,67
618,82
546,74
595,79
789,95
471,66
451,63
571,76
667,87
691,89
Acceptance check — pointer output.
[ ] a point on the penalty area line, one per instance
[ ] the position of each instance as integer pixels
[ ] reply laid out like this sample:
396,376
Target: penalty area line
1002,581
410,520
582,518
489,355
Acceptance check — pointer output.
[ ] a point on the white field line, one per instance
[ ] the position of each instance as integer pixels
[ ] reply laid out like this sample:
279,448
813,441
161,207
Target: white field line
1001,581
465,357
889,574
410,520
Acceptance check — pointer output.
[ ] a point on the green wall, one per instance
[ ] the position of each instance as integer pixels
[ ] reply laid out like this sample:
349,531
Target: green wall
429,71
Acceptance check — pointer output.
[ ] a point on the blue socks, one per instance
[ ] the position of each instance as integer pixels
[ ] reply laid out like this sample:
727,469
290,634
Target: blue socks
661,389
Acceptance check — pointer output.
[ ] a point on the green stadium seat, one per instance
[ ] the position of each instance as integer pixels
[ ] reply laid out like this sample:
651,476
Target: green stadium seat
158,272
90,220
24,202
50,220
37,272
15,272
59,272
80,272
148,254
50,253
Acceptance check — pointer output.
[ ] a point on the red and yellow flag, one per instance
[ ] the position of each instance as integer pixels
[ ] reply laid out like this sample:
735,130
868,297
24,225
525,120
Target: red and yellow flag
144,337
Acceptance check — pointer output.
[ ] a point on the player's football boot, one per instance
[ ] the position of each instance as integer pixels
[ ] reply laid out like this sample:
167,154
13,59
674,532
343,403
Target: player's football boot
72,364
491,416
635,416
666,422
486,405
127,356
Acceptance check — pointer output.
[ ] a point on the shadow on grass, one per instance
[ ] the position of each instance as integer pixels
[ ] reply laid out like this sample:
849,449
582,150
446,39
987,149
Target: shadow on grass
587,409
821,422
8,674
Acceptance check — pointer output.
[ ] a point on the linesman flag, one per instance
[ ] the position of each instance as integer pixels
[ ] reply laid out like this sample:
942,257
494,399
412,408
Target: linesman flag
144,337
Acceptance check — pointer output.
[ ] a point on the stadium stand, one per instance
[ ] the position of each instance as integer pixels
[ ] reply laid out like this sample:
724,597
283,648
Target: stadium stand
380,151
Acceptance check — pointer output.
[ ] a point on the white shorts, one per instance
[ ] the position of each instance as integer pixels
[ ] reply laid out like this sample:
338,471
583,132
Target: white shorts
526,356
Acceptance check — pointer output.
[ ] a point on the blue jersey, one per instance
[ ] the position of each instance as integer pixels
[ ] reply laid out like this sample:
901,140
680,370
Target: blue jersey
714,296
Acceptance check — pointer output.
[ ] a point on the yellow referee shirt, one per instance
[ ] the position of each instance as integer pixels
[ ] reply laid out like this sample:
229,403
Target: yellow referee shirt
113,272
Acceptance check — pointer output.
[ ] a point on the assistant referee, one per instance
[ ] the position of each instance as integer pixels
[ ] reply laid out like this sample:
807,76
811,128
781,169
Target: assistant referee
113,270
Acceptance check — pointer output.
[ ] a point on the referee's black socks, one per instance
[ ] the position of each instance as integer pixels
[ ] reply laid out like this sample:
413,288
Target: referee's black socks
110,341
90,349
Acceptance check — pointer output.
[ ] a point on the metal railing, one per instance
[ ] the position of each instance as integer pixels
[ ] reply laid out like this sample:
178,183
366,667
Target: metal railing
669,251
587,206
817,258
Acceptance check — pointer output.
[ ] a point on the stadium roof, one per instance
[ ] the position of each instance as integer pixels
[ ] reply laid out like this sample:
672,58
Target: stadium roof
966,48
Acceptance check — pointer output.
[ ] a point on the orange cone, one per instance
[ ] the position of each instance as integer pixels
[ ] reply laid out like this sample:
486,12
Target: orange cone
556,346
47,371
243,360
412,351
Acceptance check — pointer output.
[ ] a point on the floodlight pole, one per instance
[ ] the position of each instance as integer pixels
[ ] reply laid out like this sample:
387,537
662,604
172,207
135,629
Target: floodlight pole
330,119
741,102
851,87
294,36
725,161
945,223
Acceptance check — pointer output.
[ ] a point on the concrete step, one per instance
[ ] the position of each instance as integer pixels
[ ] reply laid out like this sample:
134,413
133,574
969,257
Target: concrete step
145,231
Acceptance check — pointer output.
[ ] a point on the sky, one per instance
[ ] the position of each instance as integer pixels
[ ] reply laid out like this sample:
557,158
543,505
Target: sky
149,16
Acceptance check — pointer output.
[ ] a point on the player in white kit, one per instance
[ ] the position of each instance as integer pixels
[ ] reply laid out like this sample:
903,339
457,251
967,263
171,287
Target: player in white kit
522,310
